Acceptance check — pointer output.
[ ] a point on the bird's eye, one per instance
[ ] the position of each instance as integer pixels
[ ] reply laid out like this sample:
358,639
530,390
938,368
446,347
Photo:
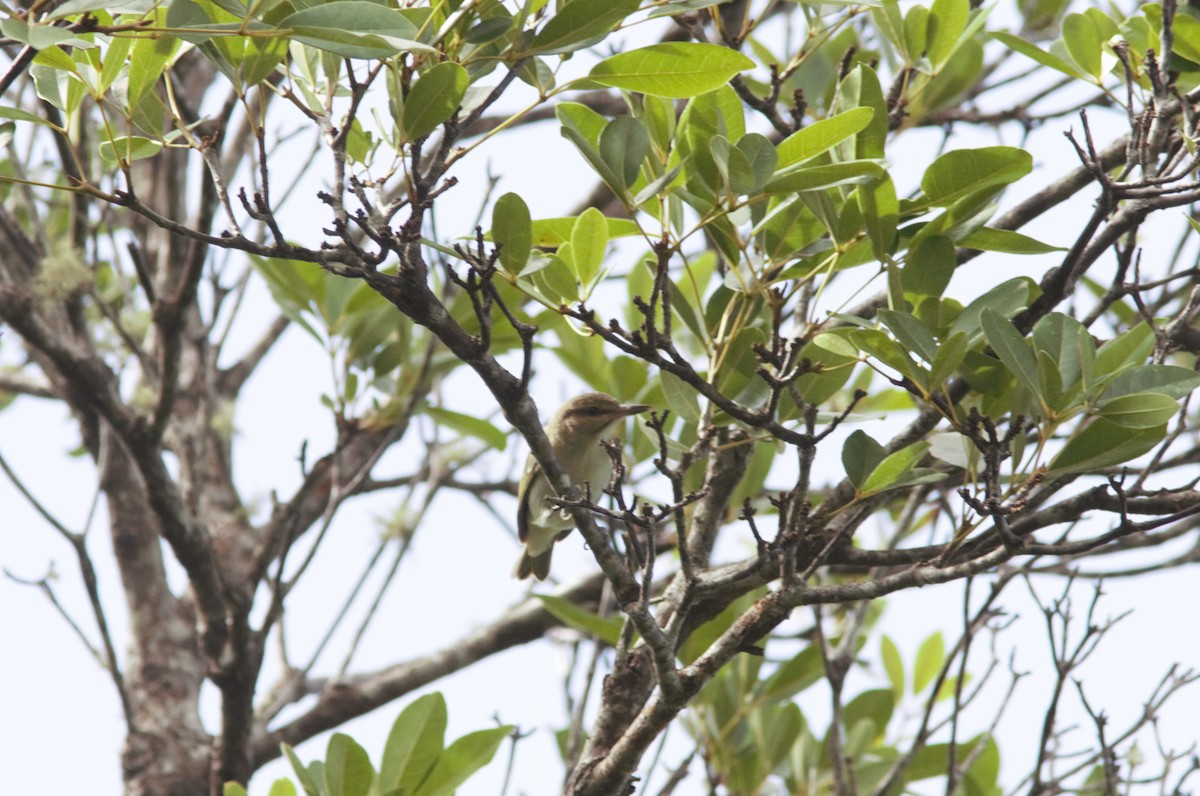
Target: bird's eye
594,411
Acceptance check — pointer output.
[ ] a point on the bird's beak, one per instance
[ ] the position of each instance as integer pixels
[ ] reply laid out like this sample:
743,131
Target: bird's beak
633,409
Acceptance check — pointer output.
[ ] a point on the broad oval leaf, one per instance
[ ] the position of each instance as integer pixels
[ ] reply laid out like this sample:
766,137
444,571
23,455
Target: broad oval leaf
1139,410
963,171
513,230
673,69
414,743
433,99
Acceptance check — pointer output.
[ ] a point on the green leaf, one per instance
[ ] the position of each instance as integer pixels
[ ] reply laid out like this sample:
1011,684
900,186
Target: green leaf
860,456
812,178
820,137
306,779
929,267
1139,410
513,231
989,239
549,233
469,425
674,69
463,758
681,399
414,744
794,675
1083,43
893,664
947,21
589,242
1126,350
892,469
348,770
1168,380
233,789
623,146
352,28
760,154
607,629
128,148
911,333
1103,443
16,114
282,787
950,355
1030,50
580,22
875,706
964,171
1007,298
1012,349
433,99
930,656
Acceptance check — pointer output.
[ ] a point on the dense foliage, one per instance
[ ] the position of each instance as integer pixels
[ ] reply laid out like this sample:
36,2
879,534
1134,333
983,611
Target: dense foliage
766,258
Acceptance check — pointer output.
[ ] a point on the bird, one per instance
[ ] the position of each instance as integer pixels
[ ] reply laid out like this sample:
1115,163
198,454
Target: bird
574,433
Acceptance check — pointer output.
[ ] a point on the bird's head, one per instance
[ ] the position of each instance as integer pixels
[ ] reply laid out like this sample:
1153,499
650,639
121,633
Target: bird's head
586,416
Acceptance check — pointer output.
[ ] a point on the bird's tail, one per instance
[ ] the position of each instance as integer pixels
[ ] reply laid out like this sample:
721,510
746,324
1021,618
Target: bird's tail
537,566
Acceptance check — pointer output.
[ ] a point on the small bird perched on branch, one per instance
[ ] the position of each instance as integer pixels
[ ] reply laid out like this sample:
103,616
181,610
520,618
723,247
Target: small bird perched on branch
574,433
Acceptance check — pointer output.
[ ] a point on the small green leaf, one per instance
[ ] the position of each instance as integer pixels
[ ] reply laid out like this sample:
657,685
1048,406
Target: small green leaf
1030,50
681,398
463,758
947,21
895,467
607,629
469,425
302,773
578,23
893,664
1082,40
589,242
348,770
820,137
1126,350
794,675
674,69
813,178
930,656
860,456
433,99
964,171
989,239
128,148
950,355
623,146
282,787
1012,348
512,229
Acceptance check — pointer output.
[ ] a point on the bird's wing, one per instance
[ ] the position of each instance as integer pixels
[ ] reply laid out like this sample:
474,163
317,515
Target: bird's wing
532,471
